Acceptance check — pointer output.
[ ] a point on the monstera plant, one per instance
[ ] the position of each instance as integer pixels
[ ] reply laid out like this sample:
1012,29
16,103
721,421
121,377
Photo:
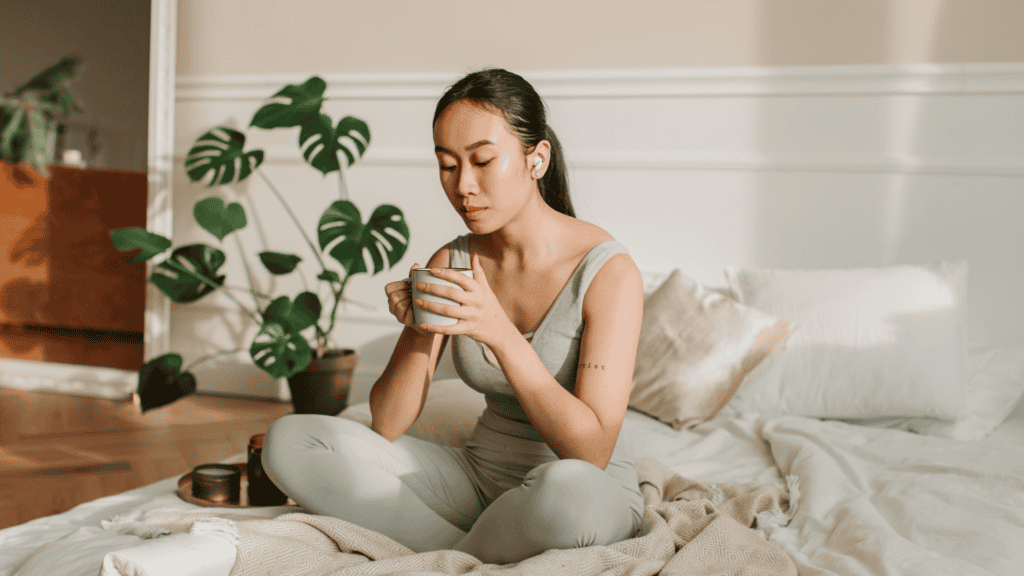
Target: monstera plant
294,331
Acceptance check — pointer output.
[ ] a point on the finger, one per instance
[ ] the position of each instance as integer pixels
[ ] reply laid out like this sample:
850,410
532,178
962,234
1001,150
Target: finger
453,294
394,288
478,271
452,276
452,330
452,310
414,266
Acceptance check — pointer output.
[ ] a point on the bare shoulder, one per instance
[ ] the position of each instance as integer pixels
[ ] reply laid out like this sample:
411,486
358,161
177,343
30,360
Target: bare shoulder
618,284
441,258
591,234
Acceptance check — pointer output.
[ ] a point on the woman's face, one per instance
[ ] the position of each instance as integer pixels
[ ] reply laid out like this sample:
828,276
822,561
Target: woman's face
484,171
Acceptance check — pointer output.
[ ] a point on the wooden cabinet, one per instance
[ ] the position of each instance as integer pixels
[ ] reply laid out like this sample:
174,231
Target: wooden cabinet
66,293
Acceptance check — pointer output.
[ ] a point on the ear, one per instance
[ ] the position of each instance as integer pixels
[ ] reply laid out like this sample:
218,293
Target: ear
538,159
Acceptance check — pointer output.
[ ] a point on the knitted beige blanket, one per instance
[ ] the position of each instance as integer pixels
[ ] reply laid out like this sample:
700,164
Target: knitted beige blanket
689,528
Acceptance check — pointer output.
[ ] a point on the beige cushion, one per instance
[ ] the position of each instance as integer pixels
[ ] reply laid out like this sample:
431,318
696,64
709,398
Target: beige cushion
696,345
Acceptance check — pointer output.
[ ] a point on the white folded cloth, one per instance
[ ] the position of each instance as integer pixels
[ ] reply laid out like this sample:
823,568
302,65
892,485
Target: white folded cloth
194,554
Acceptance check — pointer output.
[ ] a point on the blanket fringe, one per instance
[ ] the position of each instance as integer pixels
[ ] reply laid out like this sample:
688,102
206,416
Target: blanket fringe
769,520
122,525
214,526
717,496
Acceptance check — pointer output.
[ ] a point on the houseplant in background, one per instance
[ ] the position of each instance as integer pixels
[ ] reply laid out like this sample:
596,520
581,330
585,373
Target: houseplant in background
294,337
29,116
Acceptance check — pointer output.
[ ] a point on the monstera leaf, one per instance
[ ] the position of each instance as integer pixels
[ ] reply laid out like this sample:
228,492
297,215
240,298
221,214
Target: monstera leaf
218,219
134,237
277,263
329,276
279,352
180,277
161,382
384,236
297,315
305,104
320,142
221,151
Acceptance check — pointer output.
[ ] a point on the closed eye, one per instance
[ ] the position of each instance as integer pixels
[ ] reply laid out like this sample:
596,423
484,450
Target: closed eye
484,163
447,168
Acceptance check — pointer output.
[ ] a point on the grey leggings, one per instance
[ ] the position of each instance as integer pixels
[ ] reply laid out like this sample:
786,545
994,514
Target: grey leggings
503,497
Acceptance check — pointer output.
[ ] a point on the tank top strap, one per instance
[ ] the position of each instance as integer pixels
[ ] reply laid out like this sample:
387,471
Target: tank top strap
458,252
588,269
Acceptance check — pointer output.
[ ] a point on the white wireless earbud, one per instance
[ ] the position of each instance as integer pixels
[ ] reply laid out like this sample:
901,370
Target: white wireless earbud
537,162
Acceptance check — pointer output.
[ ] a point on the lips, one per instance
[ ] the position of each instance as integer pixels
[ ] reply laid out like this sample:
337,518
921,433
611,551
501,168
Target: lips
470,209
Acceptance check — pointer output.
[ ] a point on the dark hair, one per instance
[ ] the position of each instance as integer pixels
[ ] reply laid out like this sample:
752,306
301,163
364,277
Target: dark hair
525,114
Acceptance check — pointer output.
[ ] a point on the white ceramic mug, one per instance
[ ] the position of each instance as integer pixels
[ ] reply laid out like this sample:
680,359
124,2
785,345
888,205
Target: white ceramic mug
422,316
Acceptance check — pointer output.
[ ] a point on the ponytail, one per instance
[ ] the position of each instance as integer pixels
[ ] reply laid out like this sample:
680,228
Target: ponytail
554,186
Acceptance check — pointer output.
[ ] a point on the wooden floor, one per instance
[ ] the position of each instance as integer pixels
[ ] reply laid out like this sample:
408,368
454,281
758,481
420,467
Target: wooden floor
59,450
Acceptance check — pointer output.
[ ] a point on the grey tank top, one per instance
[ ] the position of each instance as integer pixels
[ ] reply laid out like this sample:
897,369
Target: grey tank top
556,340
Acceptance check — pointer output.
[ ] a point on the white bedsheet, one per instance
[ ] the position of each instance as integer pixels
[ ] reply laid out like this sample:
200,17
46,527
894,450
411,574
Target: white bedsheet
872,500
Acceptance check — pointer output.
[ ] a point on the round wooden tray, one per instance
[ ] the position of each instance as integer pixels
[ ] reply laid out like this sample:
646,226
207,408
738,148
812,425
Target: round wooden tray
185,493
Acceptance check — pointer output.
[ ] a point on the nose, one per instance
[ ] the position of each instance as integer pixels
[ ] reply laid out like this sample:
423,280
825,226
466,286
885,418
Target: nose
466,182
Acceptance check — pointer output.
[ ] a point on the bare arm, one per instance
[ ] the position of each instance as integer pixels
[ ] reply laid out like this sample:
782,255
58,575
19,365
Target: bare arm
586,425
397,397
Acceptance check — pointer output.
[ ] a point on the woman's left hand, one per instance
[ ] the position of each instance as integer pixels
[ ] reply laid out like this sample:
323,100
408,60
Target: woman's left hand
480,315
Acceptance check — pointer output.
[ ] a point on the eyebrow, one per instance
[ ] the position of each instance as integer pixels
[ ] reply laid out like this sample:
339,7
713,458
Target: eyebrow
472,146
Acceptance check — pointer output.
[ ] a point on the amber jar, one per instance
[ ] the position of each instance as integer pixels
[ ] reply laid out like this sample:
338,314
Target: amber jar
217,482
261,491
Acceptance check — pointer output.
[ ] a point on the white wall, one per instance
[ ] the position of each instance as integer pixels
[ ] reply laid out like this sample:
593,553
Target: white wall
697,169
701,133
323,36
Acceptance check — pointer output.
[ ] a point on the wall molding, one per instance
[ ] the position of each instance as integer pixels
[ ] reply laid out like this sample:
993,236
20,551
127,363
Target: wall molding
966,78
863,80
644,161
110,383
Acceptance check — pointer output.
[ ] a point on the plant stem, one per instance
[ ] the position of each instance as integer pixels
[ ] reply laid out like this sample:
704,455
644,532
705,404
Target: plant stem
178,267
248,274
342,184
244,289
321,335
337,300
210,357
295,219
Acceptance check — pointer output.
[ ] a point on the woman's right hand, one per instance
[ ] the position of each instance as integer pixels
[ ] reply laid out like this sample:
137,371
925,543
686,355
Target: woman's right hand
400,301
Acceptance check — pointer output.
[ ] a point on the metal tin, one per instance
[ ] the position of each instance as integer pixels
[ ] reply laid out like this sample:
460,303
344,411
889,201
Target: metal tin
217,482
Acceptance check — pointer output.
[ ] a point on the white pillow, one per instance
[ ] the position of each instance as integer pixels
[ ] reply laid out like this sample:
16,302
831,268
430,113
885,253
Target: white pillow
868,342
449,414
992,394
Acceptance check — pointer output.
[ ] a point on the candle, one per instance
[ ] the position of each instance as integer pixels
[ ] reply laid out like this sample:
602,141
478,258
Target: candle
217,482
215,472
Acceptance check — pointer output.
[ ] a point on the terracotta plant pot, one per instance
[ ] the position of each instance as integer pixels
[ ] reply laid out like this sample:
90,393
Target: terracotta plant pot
322,388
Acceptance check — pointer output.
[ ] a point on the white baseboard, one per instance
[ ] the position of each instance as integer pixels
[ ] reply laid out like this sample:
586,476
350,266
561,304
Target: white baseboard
110,383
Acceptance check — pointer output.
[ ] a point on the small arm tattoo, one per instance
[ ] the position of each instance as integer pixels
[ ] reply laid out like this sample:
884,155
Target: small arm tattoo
592,365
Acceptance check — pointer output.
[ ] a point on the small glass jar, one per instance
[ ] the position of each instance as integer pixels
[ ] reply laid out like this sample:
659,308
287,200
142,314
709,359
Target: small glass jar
261,491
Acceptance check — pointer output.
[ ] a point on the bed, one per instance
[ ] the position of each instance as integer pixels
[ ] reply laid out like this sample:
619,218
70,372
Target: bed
894,440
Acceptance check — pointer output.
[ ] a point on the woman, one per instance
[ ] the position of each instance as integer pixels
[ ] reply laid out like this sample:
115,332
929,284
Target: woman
547,329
